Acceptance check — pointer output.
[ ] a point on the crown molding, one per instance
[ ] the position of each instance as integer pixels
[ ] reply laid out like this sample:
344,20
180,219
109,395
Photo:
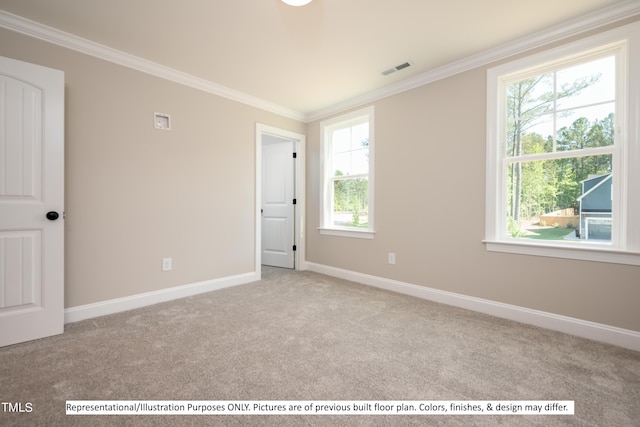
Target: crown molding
593,21
51,35
573,27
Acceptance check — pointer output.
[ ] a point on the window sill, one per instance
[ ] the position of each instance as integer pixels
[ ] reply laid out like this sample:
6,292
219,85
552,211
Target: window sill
347,232
596,253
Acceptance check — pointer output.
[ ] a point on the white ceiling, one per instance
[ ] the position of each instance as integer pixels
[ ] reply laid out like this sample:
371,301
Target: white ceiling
310,58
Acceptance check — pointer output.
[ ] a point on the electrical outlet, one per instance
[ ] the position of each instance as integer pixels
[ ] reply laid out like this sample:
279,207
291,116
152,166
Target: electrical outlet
391,258
166,264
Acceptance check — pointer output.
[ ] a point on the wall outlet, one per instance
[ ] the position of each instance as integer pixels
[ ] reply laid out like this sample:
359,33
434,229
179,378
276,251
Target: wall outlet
166,264
391,258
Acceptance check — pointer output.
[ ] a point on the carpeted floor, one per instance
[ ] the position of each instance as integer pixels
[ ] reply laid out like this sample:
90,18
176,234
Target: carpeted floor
306,336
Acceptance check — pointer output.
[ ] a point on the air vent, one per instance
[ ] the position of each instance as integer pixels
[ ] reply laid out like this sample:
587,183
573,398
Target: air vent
396,68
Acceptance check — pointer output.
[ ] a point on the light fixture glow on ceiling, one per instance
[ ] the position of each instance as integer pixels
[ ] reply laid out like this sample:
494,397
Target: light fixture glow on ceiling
296,2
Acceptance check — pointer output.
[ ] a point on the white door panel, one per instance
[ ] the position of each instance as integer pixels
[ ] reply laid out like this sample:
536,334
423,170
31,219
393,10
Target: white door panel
278,209
21,262
31,184
276,231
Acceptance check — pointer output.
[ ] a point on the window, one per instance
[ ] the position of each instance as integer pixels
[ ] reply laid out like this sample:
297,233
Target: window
563,151
347,175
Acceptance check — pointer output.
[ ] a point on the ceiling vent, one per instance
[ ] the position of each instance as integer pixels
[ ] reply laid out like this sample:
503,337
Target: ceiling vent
396,68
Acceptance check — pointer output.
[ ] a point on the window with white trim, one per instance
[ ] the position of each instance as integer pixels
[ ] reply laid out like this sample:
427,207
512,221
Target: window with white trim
563,151
347,175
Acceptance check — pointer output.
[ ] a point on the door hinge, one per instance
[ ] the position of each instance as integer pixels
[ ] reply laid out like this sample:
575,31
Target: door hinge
295,248
295,201
295,155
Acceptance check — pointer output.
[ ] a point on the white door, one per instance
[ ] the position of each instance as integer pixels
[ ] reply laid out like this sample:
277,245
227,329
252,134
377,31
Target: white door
31,201
278,206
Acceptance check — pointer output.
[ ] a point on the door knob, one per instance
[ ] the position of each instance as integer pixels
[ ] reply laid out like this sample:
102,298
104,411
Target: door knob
52,216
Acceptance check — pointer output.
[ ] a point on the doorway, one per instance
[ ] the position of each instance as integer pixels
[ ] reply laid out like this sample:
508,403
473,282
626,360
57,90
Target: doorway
280,198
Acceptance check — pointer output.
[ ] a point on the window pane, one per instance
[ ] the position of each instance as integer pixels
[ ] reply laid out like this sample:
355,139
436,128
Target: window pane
341,164
562,199
351,163
360,161
577,131
350,138
360,134
341,140
573,107
529,104
586,84
537,138
350,202
351,150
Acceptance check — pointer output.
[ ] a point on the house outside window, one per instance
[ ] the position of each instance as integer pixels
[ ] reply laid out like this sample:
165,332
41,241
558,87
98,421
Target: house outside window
595,208
347,175
563,151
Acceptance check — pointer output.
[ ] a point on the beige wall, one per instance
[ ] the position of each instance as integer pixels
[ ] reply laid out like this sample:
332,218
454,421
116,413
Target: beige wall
135,194
430,211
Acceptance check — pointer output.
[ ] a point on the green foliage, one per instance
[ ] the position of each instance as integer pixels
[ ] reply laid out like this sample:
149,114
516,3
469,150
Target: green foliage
351,195
513,228
356,219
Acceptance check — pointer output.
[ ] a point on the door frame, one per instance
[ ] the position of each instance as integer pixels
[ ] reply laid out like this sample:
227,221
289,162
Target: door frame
299,141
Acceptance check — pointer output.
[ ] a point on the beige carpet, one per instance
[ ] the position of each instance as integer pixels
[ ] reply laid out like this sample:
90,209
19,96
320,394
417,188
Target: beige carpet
305,336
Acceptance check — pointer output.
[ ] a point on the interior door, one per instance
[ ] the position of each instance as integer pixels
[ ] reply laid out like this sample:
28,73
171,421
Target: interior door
31,201
278,206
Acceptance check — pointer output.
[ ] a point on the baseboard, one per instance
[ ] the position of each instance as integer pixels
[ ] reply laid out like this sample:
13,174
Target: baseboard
89,311
595,331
